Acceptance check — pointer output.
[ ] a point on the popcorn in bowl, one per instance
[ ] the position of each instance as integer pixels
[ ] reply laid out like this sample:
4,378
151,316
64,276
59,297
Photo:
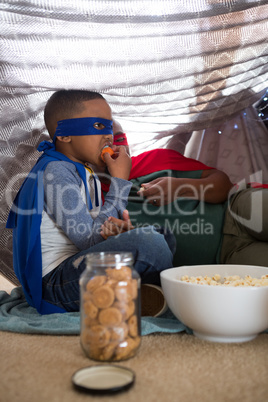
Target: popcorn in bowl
234,280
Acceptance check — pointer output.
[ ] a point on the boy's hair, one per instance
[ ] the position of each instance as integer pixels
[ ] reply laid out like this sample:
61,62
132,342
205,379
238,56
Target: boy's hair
65,104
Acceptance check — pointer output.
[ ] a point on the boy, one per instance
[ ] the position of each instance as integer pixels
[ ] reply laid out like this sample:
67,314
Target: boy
57,216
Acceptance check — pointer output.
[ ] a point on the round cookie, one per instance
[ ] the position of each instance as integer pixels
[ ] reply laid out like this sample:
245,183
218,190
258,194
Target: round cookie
110,317
103,297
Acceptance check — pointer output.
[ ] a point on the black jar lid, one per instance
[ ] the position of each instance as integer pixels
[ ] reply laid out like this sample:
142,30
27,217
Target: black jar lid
103,379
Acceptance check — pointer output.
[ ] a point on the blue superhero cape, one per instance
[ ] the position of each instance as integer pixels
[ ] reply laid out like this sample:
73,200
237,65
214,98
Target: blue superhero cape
25,219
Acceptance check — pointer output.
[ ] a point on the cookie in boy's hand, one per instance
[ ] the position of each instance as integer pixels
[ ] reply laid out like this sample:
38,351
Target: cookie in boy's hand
106,149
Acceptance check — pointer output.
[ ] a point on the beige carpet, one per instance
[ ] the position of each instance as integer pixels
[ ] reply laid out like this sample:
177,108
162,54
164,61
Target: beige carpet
169,368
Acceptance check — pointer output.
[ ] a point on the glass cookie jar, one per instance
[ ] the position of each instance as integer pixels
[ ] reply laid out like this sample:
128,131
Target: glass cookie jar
110,307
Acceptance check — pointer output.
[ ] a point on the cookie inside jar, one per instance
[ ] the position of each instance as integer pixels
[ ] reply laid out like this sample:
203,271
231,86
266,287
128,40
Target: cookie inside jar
110,313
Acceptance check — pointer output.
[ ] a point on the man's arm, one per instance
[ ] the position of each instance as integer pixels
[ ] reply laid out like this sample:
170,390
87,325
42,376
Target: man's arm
213,187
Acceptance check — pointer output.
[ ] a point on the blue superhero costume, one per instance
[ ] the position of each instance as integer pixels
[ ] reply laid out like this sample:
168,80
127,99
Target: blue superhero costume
26,213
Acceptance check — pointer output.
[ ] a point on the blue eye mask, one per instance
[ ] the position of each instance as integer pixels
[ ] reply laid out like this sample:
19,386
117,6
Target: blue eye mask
82,126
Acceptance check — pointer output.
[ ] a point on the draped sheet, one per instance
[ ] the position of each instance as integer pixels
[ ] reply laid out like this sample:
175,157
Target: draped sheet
167,68
238,147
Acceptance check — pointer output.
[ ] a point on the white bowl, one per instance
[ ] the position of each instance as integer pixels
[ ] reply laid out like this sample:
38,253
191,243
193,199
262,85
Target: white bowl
218,313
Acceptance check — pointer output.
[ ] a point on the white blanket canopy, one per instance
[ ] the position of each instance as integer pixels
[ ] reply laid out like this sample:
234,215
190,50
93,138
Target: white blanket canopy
168,68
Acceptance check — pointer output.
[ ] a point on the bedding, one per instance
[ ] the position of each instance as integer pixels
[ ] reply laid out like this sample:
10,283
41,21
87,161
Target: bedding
16,315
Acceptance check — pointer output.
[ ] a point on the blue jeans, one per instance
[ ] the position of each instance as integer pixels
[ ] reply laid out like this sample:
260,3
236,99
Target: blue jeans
151,252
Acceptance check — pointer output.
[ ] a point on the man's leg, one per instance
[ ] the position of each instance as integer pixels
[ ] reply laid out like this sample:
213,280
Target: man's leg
246,229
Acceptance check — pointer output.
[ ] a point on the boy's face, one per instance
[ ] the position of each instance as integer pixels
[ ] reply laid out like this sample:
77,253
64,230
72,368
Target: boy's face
87,148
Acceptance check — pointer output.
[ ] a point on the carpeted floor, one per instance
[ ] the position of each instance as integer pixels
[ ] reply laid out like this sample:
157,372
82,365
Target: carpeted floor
169,368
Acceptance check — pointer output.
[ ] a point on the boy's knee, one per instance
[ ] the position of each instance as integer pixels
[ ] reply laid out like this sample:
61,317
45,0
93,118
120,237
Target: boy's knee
148,236
150,240
160,240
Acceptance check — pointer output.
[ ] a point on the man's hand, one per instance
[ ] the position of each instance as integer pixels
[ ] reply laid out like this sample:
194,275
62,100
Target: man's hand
160,191
165,190
114,226
212,187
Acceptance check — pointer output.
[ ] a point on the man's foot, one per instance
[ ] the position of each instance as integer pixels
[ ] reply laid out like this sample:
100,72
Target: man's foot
153,302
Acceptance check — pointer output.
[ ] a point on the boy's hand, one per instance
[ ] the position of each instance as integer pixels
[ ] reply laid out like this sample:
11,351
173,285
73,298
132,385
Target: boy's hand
121,165
114,226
